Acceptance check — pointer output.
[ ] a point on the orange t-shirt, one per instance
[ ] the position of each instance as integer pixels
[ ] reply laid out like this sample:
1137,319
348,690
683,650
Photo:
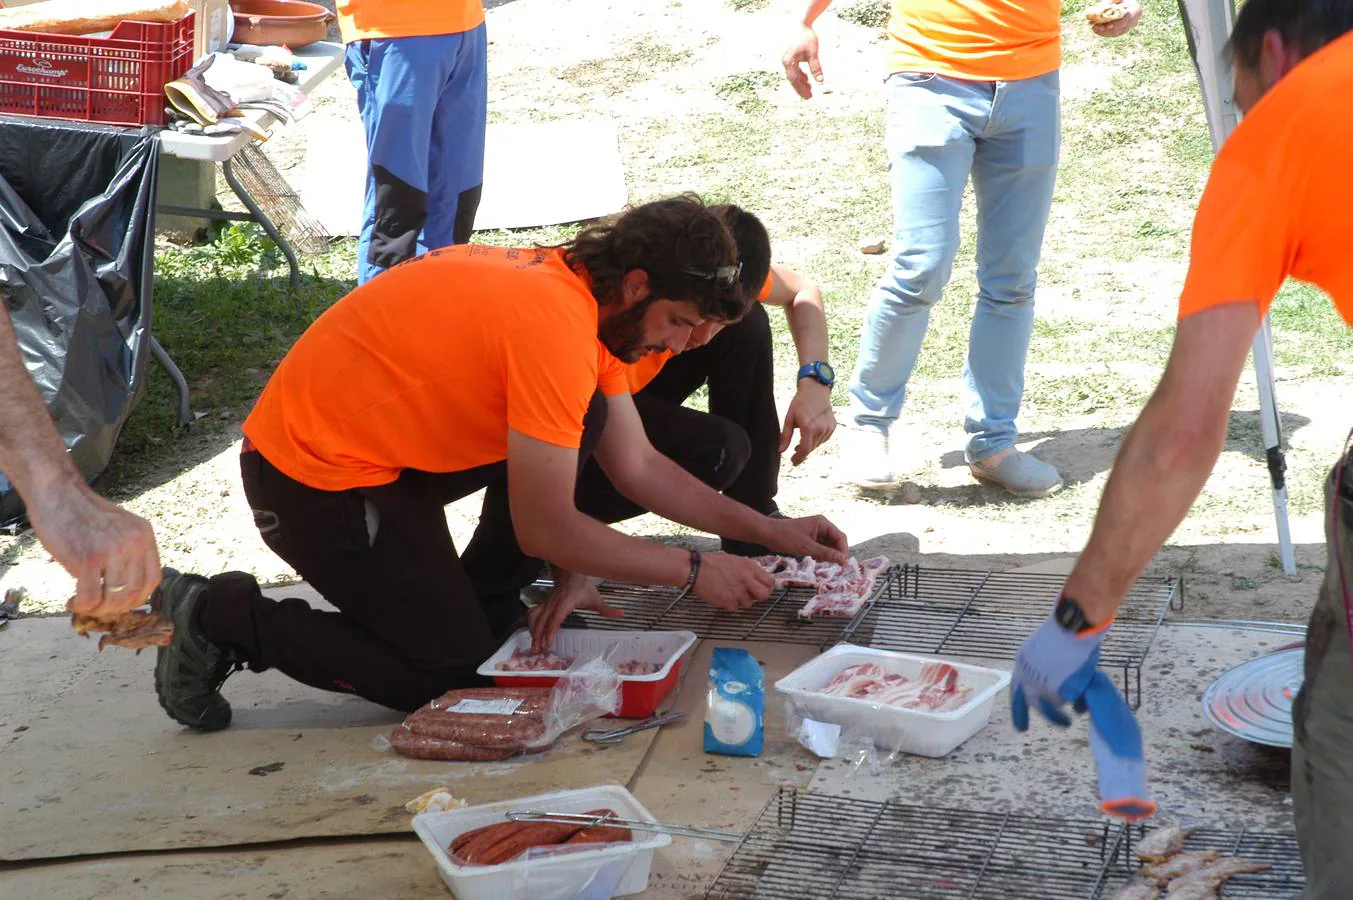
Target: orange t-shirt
1279,201
428,366
362,19
643,371
977,40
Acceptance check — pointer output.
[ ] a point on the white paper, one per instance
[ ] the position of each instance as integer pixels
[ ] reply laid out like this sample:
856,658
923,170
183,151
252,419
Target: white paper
504,707
819,737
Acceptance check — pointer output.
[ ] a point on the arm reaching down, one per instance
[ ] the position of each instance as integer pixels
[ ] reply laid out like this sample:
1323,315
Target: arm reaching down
110,552
804,52
810,412
541,479
661,486
1167,456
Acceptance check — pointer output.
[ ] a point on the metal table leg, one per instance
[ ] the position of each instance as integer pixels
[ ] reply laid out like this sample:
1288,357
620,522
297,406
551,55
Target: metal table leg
262,219
180,383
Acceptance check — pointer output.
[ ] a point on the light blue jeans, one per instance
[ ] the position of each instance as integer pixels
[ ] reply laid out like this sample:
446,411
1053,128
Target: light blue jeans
1007,136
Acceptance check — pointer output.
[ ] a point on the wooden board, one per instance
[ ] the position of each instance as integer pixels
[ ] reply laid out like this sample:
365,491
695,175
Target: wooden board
99,767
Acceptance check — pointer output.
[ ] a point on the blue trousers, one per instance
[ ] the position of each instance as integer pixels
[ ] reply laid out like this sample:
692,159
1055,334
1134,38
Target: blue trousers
424,106
940,131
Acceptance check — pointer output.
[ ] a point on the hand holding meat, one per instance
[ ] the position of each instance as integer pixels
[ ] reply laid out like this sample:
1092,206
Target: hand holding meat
811,413
135,629
1056,666
1114,18
810,536
544,620
110,552
731,582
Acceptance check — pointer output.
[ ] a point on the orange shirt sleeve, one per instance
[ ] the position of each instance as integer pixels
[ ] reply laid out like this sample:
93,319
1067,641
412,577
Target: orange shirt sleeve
613,376
549,384
1244,236
766,288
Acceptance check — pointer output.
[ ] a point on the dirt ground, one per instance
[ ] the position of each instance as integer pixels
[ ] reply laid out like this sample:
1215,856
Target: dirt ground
694,86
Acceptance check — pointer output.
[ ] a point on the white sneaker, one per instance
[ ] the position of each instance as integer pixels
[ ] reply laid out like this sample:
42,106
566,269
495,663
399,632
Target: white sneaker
1019,473
865,459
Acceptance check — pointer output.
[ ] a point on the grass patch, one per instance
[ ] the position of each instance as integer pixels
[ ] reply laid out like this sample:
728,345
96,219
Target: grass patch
867,13
225,314
744,89
616,74
748,5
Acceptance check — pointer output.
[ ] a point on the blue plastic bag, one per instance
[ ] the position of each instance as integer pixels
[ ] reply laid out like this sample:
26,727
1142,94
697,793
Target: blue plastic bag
736,704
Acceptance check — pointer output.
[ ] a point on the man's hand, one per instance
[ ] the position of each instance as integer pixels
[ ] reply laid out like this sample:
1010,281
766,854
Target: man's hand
544,620
810,536
1056,666
731,582
804,51
811,413
110,552
1114,18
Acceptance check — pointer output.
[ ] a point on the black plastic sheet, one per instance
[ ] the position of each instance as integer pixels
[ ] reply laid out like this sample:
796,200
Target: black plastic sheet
76,270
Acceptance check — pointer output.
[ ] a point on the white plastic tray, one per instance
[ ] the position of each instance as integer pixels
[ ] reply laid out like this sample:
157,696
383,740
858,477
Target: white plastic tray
906,730
612,871
661,647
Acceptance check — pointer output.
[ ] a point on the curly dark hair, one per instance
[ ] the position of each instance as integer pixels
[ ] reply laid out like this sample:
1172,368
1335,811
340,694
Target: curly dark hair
679,241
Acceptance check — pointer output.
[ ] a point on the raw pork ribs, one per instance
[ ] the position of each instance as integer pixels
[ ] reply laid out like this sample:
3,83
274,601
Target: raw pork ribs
840,591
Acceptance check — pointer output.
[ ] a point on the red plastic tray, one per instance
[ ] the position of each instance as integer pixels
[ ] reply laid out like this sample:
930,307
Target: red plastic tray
117,80
640,695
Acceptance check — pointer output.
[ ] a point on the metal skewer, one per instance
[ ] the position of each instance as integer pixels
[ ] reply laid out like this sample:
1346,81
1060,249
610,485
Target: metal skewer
712,834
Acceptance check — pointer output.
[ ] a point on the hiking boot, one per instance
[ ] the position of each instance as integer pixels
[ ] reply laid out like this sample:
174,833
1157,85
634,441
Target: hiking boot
746,548
1019,473
189,671
866,459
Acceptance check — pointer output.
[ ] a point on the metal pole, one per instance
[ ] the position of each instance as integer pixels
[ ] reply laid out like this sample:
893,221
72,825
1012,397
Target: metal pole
1207,24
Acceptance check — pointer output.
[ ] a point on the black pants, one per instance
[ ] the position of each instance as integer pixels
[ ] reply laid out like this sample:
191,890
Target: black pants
412,620
735,447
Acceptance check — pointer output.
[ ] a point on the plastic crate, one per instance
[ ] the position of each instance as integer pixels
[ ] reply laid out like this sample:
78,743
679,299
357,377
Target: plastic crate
640,695
117,80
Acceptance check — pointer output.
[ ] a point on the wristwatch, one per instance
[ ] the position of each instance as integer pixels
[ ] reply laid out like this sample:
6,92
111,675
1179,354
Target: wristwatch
821,372
1070,616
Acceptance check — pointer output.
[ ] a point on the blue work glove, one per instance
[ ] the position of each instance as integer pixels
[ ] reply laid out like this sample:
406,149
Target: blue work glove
1055,667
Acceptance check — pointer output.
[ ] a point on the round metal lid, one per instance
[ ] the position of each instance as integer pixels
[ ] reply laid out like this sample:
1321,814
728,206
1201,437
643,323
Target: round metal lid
1253,700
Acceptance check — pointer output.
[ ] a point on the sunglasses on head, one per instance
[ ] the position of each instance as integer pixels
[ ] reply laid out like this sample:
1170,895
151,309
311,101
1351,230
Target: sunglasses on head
724,276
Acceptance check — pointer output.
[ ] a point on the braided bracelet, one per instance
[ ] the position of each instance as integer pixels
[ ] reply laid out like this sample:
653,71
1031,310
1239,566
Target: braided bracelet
695,572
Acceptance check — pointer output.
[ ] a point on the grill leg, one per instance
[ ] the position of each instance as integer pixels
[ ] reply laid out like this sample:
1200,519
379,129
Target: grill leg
262,219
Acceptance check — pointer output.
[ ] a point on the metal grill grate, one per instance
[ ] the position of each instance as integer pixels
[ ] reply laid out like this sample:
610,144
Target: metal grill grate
814,846
946,612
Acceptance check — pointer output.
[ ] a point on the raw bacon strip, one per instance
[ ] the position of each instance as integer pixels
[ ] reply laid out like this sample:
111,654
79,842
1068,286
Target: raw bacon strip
843,594
936,689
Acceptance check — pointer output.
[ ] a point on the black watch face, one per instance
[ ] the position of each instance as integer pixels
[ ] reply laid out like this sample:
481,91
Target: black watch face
1069,614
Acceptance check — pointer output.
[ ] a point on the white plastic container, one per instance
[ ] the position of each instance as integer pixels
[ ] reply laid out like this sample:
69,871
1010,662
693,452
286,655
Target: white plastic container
906,730
612,871
640,695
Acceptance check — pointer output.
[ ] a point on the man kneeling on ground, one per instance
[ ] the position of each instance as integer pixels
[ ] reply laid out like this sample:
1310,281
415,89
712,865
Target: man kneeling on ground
466,368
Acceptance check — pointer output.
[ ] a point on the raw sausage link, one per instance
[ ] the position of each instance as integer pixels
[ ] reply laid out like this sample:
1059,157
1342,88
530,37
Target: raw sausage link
525,725
470,728
536,834
420,746
599,834
473,852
